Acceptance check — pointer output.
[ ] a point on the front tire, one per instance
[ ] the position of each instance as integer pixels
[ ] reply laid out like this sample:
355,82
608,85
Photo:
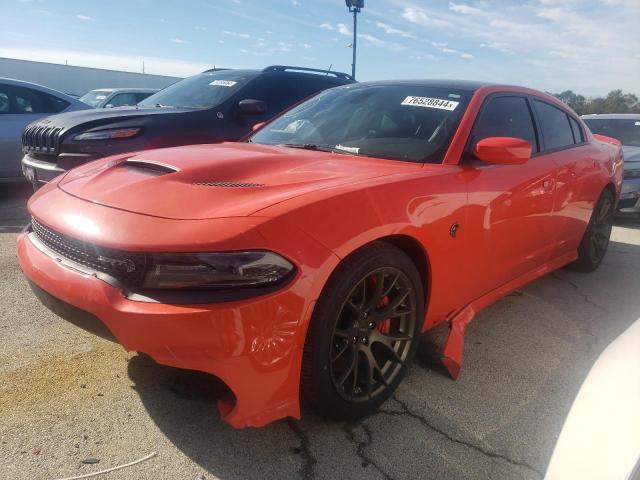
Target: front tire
363,333
595,241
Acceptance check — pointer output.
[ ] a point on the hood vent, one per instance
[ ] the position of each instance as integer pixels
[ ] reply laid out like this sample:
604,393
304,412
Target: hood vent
228,184
149,167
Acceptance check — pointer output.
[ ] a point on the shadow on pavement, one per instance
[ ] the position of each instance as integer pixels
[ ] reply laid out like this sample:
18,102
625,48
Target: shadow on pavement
13,206
628,221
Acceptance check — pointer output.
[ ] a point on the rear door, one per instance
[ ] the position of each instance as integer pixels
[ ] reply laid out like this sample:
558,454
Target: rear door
564,140
510,206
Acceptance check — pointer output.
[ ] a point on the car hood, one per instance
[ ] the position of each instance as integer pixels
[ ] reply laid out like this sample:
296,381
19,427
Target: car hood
215,181
99,116
631,157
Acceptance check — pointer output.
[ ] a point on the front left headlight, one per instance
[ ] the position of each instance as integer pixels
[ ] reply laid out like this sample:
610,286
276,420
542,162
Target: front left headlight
256,268
108,134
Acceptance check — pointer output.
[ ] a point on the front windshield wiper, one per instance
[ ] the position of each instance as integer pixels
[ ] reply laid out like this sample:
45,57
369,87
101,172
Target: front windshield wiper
316,147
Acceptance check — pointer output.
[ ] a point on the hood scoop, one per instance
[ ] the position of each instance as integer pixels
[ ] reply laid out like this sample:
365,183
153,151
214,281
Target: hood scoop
229,184
149,167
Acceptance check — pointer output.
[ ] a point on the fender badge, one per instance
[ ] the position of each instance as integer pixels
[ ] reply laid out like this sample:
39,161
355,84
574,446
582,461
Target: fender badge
453,231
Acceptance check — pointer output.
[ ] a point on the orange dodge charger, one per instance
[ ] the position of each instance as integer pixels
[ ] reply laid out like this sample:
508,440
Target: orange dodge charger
302,264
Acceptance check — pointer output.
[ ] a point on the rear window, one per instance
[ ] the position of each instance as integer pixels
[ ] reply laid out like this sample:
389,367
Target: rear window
206,90
555,126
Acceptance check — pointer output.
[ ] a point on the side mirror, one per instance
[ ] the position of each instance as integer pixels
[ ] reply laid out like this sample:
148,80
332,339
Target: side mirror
250,106
503,150
108,105
258,126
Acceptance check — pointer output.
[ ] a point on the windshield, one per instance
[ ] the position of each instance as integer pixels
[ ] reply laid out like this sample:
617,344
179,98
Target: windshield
200,91
401,122
94,97
627,130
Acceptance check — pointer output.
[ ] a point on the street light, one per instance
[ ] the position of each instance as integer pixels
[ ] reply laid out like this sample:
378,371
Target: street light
354,7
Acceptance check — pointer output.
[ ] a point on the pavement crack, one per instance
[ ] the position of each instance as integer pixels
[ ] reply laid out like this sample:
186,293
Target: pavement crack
576,287
308,460
498,456
361,446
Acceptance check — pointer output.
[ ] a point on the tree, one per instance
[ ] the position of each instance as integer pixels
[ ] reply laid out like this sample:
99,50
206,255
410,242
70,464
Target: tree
616,101
575,101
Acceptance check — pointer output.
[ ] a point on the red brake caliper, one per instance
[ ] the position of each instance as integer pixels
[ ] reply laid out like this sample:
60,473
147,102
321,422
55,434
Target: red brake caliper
385,325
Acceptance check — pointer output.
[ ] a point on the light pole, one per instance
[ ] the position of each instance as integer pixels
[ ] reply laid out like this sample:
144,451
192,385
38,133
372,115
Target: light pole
354,7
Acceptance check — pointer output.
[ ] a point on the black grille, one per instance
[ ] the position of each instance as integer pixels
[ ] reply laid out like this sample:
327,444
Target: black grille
126,267
41,139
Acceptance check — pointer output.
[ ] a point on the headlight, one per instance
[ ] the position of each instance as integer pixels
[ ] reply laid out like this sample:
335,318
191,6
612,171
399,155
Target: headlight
216,270
631,174
108,134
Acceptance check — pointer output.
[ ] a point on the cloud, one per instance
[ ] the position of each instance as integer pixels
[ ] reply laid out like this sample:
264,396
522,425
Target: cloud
389,30
242,35
343,29
295,3
326,26
177,40
307,45
85,18
466,56
466,9
420,17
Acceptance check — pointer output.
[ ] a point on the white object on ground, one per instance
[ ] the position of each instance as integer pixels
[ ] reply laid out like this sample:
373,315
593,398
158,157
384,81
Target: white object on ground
112,469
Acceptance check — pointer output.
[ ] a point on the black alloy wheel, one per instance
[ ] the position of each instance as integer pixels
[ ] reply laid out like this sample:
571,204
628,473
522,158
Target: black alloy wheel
363,333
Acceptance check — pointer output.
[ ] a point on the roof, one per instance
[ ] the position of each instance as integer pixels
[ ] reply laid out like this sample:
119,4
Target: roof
613,116
435,82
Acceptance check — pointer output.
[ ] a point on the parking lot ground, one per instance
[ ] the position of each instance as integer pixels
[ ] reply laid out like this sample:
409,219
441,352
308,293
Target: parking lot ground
67,396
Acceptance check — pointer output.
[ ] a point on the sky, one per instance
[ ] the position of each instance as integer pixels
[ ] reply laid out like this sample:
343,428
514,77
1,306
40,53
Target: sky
588,46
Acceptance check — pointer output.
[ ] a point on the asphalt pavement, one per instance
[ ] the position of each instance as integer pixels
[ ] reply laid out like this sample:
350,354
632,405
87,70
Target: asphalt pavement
67,397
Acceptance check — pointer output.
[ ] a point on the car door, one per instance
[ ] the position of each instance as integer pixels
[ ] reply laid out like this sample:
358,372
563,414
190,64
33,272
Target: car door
510,206
562,138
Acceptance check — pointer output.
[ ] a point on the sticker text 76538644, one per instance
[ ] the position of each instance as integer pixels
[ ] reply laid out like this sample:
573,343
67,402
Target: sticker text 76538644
430,103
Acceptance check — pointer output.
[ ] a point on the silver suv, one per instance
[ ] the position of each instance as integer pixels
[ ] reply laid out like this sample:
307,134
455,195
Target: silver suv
116,97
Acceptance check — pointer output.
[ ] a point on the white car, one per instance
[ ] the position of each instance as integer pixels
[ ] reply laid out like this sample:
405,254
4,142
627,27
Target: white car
20,104
600,439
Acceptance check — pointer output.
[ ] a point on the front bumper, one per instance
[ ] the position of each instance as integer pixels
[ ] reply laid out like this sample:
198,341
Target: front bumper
39,171
254,346
630,196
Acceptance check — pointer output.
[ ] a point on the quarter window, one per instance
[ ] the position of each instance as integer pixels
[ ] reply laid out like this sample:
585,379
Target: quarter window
506,116
555,126
578,136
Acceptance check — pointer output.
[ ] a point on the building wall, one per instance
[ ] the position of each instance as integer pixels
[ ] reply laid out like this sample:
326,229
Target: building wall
78,80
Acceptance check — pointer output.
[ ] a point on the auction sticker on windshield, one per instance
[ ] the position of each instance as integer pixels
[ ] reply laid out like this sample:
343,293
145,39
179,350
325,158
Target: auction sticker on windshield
430,103
223,83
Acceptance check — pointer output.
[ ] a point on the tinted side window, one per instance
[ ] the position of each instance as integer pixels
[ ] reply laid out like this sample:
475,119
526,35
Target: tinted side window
282,91
555,126
505,117
27,101
5,105
578,136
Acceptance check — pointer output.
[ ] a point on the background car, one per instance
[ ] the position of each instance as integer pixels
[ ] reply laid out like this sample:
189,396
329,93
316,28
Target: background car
214,106
600,438
307,260
624,127
20,104
116,97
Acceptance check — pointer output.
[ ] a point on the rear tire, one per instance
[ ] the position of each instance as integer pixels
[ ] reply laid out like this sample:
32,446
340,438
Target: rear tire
363,334
595,241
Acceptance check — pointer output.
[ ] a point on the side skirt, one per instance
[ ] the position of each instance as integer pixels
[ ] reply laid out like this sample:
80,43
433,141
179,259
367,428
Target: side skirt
453,349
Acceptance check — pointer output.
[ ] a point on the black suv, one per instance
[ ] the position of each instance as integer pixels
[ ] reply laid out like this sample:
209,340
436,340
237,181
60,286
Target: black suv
217,105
